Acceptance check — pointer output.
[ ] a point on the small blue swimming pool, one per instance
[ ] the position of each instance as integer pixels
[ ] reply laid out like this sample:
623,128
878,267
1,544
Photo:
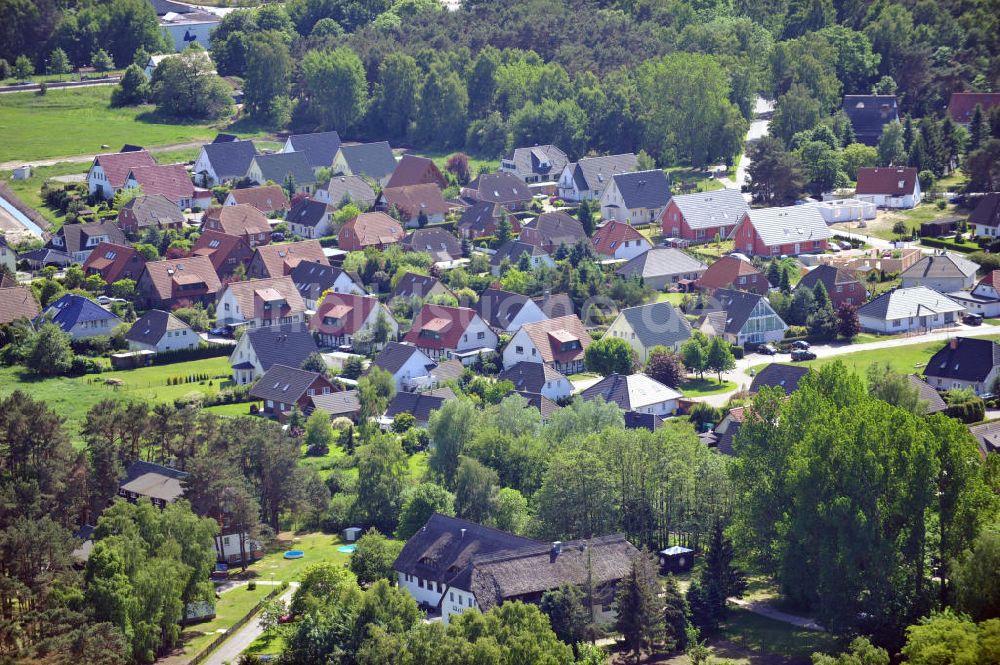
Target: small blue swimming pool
347,549
294,554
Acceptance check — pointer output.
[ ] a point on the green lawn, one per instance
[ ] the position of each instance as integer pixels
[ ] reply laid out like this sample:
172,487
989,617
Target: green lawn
318,548
55,78
230,607
766,636
476,164
79,121
706,386
672,298
703,179
30,190
580,376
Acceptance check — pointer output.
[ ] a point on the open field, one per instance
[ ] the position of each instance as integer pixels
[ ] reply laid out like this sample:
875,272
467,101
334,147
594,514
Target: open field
318,548
672,298
30,190
79,121
881,226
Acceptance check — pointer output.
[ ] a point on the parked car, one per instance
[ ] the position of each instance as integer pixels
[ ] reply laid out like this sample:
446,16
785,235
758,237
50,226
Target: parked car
767,350
800,344
844,244
277,236
800,355
973,319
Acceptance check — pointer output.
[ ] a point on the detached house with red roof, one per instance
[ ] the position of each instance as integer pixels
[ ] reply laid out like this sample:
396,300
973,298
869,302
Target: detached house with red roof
413,170
282,388
699,217
114,262
962,105
781,231
226,252
369,229
266,198
347,319
731,272
559,343
441,331
278,260
108,172
412,200
178,282
841,285
889,186
170,181
238,220
618,240
261,303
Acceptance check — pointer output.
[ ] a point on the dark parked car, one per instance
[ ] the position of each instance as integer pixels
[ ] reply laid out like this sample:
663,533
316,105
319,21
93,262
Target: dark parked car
972,319
800,344
767,350
800,354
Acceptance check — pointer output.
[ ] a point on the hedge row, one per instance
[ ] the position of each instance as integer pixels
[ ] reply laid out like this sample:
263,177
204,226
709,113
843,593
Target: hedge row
949,244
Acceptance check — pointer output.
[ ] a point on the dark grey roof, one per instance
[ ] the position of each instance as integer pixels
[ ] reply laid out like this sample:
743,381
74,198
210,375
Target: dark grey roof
278,347
319,148
594,173
530,377
278,166
737,307
374,160
446,545
554,305
141,468
231,159
657,323
421,286
831,276
501,188
284,384
988,436
512,251
441,245
869,114
558,228
47,256
498,308
637,420
935,403
546,161
987,211
151,326
643,189
420,405
76,235
312,278
393,356
154,210
903,303
786,377
223,137
354,187
154,481
480,215
661,261
307,212
543,404
343,403
163,7
447,370
631,391
964,359
940,265
702,210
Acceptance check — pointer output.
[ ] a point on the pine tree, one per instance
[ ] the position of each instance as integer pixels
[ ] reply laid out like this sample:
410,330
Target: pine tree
504,229
720,579
785,285
820,295
979,132
774,273
640,620
675,615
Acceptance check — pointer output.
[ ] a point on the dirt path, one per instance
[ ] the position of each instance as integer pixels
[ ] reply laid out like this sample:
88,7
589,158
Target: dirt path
86,159
768,611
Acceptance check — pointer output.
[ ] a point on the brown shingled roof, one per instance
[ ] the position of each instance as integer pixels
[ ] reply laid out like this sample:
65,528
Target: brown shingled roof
114,262
165,274
547,335
238,220
279,259
17,302
169,180
888,180
273,288
266,198
413,199
448,323
413,170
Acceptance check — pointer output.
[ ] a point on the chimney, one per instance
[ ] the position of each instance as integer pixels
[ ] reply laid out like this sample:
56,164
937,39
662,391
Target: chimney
555,551
953,343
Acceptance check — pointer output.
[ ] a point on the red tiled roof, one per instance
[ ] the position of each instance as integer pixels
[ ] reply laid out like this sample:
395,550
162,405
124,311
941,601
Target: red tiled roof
613,235
350,310
547,335
17,302
218,247
237,220
169,180
723,273
112,261
189,270
449,323
887,180
992,278
249,292
277,260
116,165
962,105
413,170
266,198
370,228
410,200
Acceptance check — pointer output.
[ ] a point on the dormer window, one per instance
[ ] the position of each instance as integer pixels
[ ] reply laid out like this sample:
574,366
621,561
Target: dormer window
331,321
430,334
570,345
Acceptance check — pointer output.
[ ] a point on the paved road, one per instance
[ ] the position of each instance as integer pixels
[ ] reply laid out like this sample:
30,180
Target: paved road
758,129
56,85
231,649
766,610
878,243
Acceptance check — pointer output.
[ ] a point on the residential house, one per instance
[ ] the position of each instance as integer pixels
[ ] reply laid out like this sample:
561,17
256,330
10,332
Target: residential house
550,230
413,170
290,170
409,366
639,420
269,199
545,406
869,114
257,350
537,379
502,188
346,319
721,438
743,318
8,257
777,375
108,172
413,285
17,302
986,294
512,251
314,278
159,331
79,240
555,305
906,310
480,220
542,163
732,272
506,311
559,343
985,218
374,161
144,212
369,229
647,326
178,282
635,392
412,201
962,105
942,272
282,388
439,243
219,163
781,232
170,181
988,436
700,216
965,363
279,259
637,198
933,402
319,148
342,404
441,331
309,218
839,211
226,252
241,220
192,27
586,179
261,303
618,240
419,405
81,317
662,268
114,262
345,189
841,285
47,256
160,484
889,186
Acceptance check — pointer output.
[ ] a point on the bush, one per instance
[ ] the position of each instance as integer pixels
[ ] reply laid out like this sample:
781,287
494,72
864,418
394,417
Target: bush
338,512
84,365
949,244
251,586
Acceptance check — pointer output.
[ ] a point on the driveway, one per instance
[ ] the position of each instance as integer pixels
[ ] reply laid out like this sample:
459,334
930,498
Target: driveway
230,650
758,129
